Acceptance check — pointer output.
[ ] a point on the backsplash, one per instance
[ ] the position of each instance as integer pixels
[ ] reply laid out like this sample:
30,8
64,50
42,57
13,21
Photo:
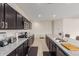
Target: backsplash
9,33
2,35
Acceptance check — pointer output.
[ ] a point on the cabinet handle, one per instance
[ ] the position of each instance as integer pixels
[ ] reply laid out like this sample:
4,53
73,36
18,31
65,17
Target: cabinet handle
6,25
16,54
2,24
25,25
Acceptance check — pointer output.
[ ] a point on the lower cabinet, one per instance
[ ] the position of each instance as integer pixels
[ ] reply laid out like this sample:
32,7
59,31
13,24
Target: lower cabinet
53,48
25,48
22,50
50,45
47,42
19,51
60,52
30,40
13,53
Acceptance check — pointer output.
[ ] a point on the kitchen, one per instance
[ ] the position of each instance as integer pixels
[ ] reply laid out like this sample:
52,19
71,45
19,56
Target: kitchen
31,29
14,32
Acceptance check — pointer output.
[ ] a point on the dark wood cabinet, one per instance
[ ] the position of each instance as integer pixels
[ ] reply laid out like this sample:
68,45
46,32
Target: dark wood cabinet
30,25
20,21
56,50
1,11
47,42
19,50
1,16
13,53
51,46
30,40
60,52
22,50
25,48
27,24
10,17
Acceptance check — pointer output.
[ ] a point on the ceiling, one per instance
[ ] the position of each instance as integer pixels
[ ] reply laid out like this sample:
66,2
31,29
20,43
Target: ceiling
49,11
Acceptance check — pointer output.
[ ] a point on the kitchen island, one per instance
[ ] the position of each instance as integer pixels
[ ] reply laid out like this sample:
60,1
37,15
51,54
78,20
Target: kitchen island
61,50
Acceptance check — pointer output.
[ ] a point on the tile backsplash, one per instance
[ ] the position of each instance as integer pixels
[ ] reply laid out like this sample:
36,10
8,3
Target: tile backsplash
9,33
2,35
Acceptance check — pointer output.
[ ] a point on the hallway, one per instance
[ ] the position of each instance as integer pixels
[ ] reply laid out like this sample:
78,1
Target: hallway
41,44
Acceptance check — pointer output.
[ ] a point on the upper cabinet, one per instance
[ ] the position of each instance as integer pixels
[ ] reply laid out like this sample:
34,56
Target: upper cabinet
20,21
11,19
27,24
30,25
1,16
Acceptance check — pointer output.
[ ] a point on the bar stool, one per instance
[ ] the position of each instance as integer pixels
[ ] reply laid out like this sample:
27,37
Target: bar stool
77,37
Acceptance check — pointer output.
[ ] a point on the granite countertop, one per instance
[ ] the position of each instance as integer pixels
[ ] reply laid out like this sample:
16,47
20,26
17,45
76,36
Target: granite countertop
4,51
68,52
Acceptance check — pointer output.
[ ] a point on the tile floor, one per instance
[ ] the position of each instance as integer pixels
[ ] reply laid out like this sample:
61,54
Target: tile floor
41,44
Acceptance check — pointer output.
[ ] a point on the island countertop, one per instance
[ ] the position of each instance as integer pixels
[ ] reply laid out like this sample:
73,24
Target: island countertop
4,51
68,52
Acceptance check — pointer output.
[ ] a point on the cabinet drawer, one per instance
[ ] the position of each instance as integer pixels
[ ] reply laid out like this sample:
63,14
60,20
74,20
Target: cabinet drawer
59,52
13,53
19,50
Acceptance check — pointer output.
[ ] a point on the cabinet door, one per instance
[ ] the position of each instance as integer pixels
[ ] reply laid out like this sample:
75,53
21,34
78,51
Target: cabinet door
25,49
13,53
20,22
31,40
1,11
47,42
30,25
54,47
26,25
50,45
1,16
60,52
10,17
19,51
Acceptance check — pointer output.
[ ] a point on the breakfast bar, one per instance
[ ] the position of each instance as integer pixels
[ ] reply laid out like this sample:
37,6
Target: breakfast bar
61,50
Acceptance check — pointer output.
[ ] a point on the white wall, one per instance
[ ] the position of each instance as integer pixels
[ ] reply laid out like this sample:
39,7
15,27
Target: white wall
58,26
67,26
71,26
9,33
41,28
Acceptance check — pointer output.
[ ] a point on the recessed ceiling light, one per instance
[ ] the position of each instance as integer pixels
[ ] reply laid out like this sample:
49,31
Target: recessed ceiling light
39,15
54,16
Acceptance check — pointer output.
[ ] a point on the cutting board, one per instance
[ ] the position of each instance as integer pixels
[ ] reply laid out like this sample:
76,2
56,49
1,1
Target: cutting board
70,46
